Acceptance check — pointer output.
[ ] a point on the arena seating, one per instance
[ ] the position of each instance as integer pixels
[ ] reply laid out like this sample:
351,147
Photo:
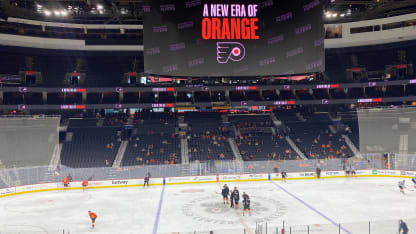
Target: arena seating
152,149
204,147
312,135
257,140
350,126
90,146
264,146
13,98
207,139
153,140
202,97
108,69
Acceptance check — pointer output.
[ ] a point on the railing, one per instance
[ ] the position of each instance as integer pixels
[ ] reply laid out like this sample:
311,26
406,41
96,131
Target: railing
34,175
403,162
371,227
19,176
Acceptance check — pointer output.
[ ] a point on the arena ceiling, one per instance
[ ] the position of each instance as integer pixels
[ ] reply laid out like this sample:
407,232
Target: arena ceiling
334,10
355,10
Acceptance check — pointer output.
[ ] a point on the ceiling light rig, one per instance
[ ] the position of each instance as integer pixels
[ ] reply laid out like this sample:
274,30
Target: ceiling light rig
47,13
58,13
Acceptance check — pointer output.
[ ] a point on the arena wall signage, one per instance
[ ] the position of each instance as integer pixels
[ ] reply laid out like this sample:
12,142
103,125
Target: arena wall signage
4,192
207,38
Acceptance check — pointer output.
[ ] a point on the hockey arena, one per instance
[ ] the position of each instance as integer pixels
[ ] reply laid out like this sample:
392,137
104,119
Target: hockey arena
207,117
327,206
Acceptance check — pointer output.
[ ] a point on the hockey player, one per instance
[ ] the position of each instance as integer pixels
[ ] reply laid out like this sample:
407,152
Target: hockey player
246,204
403,226
232,200
414,181
84,185
236,197
245,196
225,191
318,172
65,181
93,217
352,171
347,171
401,186
146,179
284,175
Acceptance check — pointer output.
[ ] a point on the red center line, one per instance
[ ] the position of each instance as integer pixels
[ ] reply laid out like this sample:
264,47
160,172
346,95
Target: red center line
243,222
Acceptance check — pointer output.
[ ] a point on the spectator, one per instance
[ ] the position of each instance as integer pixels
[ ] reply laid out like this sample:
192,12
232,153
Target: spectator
275,168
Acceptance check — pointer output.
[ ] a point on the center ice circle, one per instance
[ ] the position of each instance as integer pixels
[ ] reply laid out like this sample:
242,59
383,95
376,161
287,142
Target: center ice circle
211,209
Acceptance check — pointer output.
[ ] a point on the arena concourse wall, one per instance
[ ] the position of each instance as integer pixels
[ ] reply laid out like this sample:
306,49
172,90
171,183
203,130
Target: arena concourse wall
100,184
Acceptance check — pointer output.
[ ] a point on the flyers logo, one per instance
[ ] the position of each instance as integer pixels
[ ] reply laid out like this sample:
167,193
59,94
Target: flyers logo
233,51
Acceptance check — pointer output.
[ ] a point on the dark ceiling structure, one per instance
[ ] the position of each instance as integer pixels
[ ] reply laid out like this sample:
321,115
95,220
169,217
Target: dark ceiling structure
355,10
129,11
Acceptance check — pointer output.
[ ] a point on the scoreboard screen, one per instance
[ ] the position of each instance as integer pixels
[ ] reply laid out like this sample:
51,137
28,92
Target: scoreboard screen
229,38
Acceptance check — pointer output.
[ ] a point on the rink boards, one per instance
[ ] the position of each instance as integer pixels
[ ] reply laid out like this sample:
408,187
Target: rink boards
198,180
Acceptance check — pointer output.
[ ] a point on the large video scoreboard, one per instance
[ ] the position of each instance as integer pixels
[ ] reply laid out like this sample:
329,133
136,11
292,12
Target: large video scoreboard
233,38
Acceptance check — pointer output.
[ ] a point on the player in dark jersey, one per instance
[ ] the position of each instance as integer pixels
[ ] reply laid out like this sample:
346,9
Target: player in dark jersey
225,191
318,172
414,181
146,179
352,171
347,171
245,196
403,227
284,175
246,204
236,197
232,200
401,186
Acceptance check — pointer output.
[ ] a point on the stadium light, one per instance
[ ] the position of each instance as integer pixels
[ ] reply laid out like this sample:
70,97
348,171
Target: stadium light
47,13
349,12
57,13
328,14
64,13
100,7
342,15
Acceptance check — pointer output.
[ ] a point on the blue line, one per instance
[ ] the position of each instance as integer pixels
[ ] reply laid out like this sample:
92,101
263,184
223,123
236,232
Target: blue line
159,209
310,207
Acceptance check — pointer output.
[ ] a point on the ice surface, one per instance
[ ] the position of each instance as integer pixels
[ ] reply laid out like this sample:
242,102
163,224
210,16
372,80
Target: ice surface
353,202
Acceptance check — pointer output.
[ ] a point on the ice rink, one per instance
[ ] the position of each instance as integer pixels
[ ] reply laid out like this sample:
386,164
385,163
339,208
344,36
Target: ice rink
353,202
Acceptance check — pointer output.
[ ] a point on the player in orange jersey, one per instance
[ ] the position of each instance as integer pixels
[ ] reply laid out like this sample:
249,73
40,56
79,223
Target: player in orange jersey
93,217
84,185
65,181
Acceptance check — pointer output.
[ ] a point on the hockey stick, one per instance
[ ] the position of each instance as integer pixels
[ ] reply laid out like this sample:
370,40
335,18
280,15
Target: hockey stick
409,188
